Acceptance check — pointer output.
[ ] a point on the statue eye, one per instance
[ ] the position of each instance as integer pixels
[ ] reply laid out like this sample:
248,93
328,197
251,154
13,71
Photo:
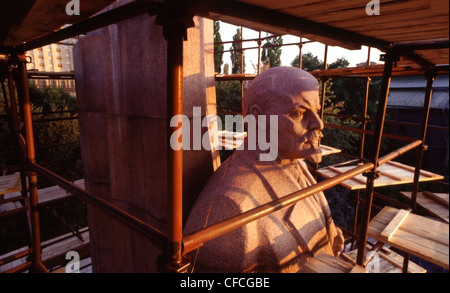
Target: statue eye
297,114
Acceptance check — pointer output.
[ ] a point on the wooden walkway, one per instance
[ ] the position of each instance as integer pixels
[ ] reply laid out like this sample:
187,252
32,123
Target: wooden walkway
54,251
391,173
414,234
12,191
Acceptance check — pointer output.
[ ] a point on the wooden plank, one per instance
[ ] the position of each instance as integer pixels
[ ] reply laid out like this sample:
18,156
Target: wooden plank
327,150
417,235
60,270
434,208
395,177
45,196
336,169
325,263
414,18
392,173
358,269
442,200
51,248
385,261
412,169
395,223
397,260
10,183
389,11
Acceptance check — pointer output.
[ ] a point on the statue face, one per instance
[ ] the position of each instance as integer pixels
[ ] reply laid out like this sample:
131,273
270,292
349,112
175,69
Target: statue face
293,95
299,126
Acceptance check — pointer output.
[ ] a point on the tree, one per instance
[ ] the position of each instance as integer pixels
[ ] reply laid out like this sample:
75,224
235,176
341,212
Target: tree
339,63
309,62
236,54
345,140
271,53
218,48
56,130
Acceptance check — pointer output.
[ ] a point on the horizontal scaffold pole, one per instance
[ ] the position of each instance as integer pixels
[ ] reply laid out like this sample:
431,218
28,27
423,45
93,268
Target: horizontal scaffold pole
154,235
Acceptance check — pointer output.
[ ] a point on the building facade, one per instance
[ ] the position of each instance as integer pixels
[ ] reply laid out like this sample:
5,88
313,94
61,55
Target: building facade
53,58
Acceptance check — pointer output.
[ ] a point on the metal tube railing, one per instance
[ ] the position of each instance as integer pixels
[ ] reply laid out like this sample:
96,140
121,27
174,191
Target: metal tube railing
196,239
24,93
156,237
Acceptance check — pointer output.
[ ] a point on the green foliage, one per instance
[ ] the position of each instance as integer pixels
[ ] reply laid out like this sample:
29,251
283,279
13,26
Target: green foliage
51,100
57,148
218,55
271,51
339,63
228,94
309,62
236,54
55,130
345,140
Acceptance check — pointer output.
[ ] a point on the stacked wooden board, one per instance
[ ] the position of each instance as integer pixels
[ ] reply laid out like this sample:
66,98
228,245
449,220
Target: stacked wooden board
45,195
391,173
424,237
10,183
385,260
437,204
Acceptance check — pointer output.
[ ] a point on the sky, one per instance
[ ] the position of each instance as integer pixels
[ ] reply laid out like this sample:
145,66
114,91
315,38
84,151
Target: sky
227,31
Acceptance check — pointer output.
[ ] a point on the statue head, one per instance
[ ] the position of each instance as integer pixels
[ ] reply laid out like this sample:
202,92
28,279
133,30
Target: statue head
293,95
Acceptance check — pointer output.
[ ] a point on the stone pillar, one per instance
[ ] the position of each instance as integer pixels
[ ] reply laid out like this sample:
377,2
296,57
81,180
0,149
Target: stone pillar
120,73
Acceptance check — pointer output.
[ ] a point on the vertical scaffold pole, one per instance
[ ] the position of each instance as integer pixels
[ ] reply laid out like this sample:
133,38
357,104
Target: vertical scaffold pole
390,58
175,24
175,157
362,145
19,149
23,91
431,74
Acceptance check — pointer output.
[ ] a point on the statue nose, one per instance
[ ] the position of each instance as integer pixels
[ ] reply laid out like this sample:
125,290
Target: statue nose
315,122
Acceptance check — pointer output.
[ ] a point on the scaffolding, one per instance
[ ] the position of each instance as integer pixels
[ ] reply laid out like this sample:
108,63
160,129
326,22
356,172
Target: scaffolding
175,18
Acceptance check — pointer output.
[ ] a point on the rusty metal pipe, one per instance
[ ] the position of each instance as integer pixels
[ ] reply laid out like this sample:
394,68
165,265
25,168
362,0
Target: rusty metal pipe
399,152
419,152
14,257
378,136
369,132
422,135
175,37
30,155
40,267
19,268
13,101
155,236
19,151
